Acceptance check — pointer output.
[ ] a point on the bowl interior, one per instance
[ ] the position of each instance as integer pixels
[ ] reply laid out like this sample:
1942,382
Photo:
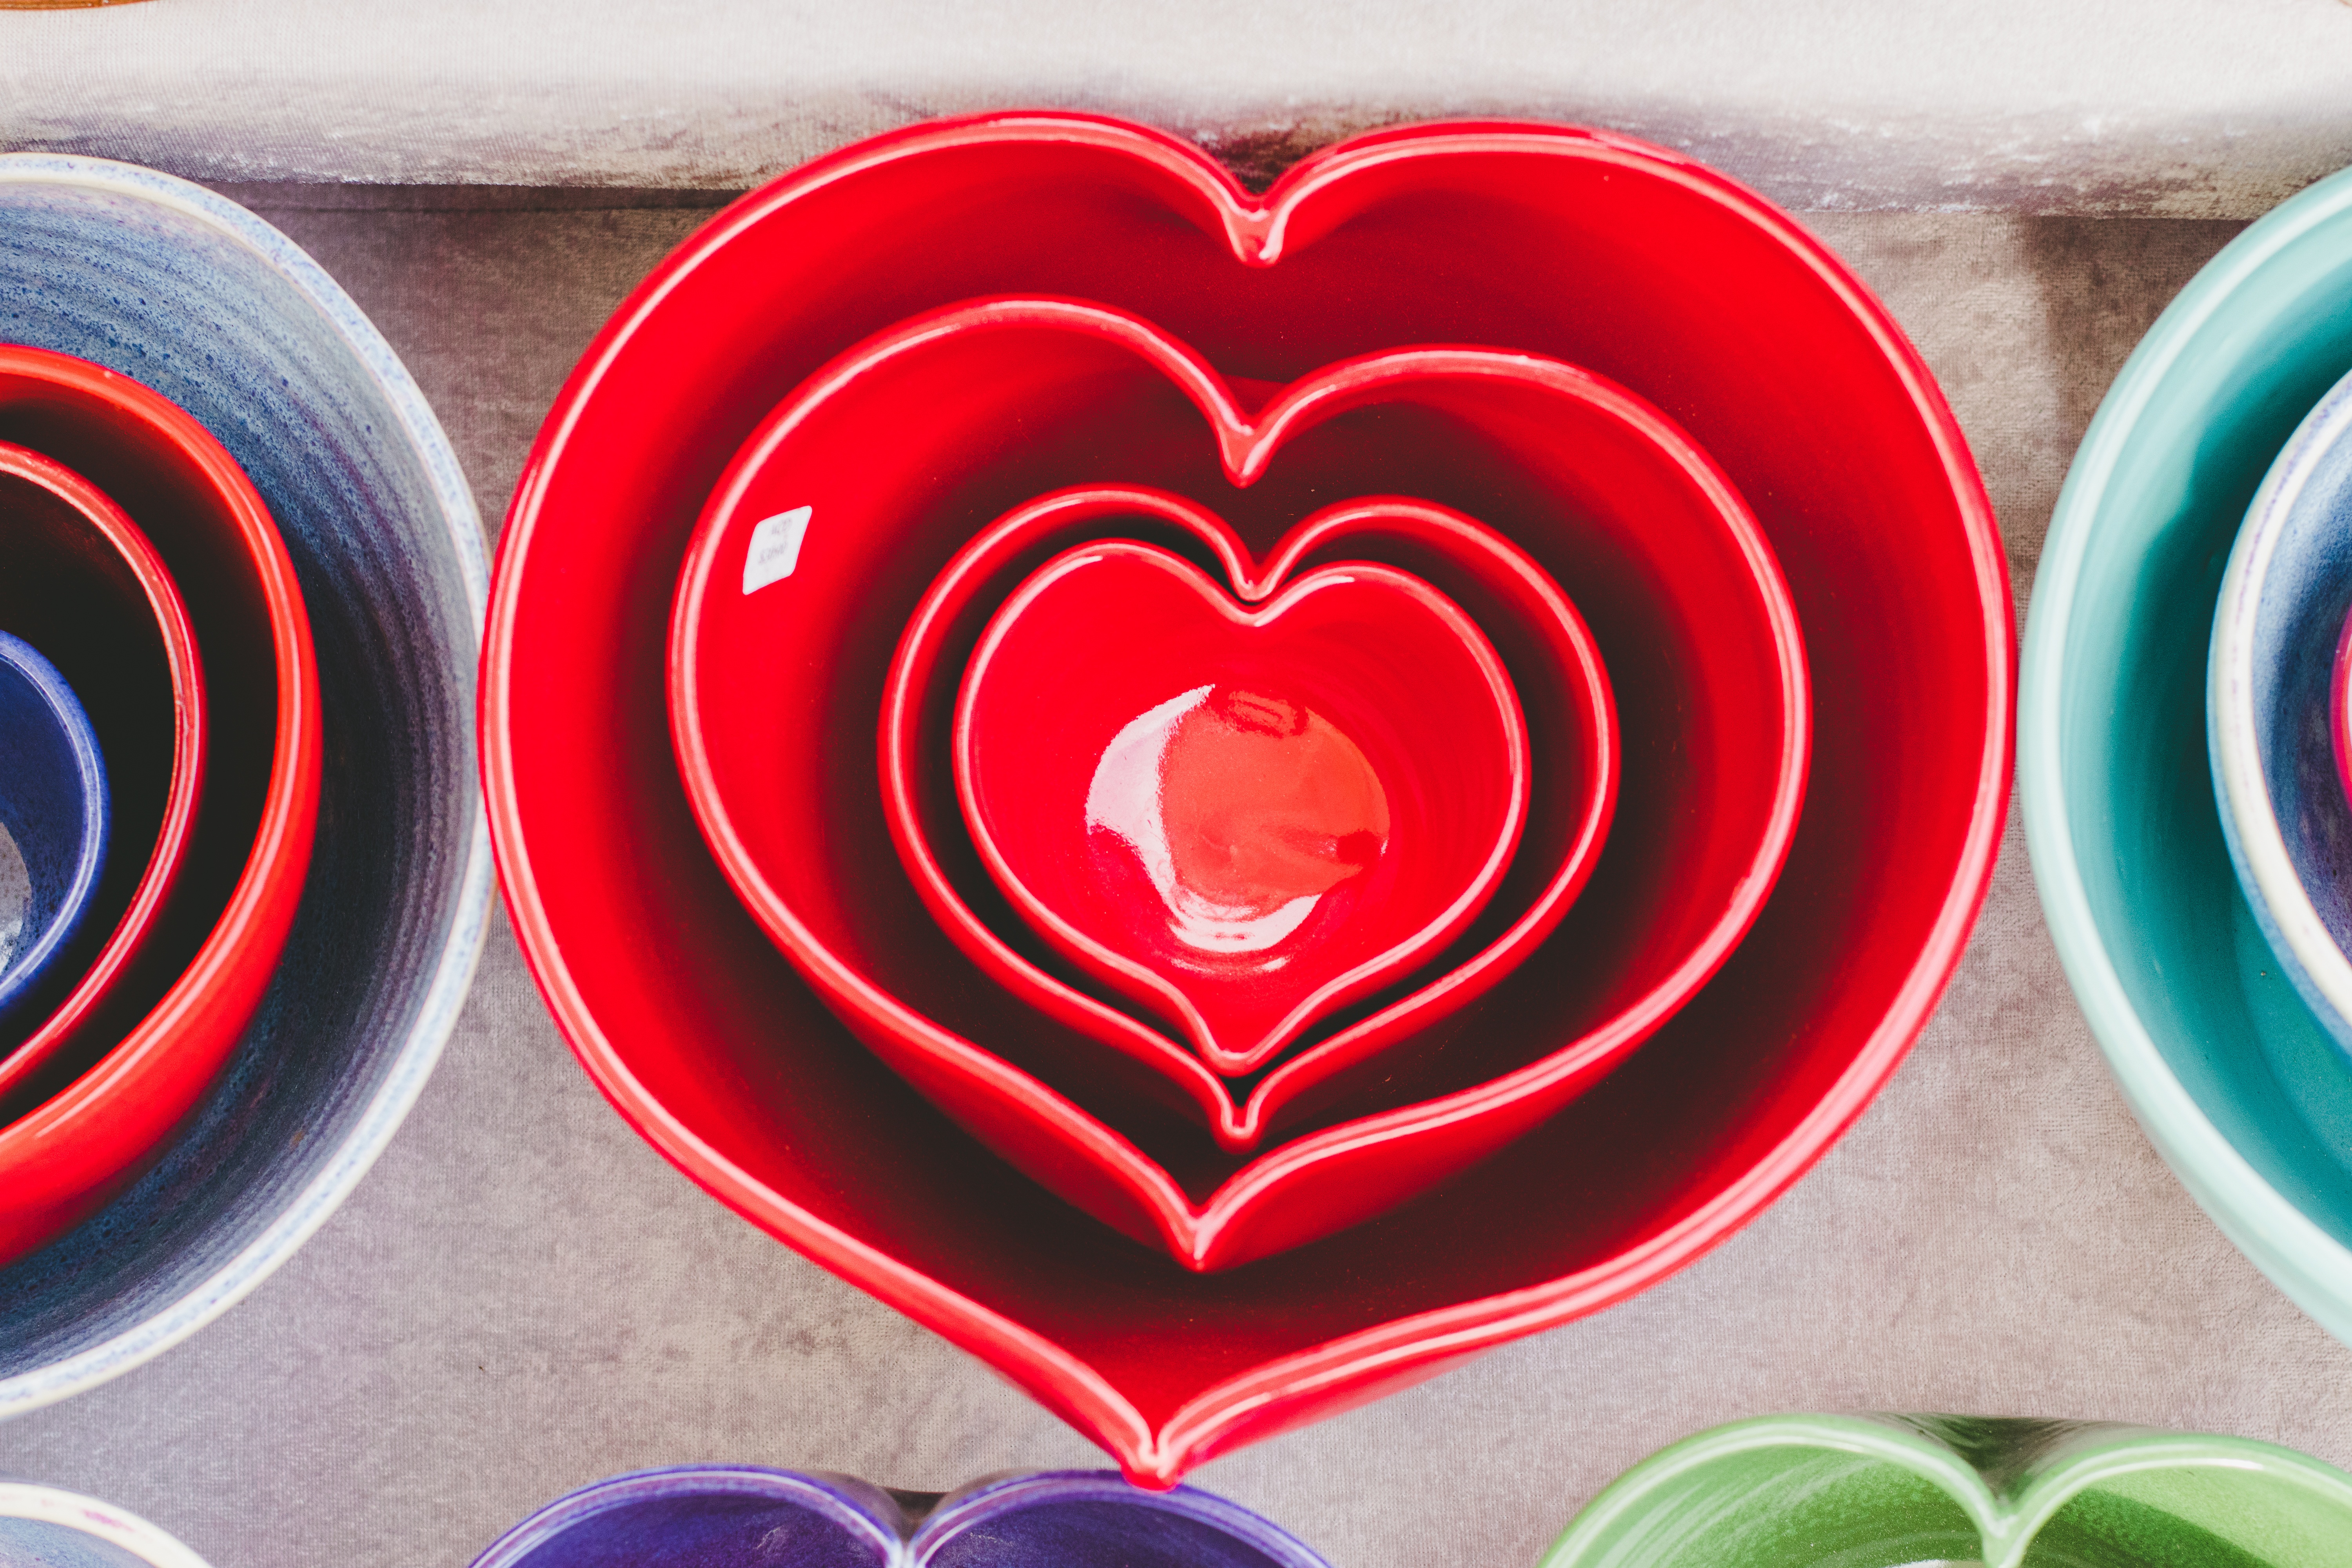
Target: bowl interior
1624,261
1676,612
176,288
2145,527
87,584
53,803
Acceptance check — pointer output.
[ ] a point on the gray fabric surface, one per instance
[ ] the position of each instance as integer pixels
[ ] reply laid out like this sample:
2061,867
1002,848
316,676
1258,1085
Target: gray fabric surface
523,1296
2178,107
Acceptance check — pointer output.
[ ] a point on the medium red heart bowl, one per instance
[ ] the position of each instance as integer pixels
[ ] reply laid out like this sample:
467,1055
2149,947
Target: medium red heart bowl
1242,816
1592,249
85,586
1573,742
85,1137
1697,633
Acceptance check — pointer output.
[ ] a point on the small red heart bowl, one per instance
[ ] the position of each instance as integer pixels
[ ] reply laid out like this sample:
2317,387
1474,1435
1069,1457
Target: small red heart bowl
92,1124
1564,695
1696,631
1243,817
85,586
1585,246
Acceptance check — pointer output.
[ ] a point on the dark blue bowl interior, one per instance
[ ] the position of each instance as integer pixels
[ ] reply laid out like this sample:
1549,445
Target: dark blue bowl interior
207,305
53,803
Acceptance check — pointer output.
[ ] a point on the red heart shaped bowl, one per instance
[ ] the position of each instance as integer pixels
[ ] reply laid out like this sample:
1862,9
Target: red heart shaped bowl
1244,817
1697,627
1637,263
1573,744
93,1123
85,588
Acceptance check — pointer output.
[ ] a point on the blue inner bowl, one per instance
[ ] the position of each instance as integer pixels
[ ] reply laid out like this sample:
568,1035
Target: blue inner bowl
742,1516
2298,608
53,803
2237,1082
198,299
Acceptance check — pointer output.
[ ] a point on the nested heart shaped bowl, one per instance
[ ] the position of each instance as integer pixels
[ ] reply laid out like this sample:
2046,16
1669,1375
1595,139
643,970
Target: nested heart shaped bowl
1879,1491
2269,729
2239,1085
745,1516
53,803
1555,670
87,586
94,1119
1698,635
165,286
1635,263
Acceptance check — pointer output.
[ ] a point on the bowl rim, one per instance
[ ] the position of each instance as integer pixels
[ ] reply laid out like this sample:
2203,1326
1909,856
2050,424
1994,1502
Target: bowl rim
28,965
308,1207
1401,1349
74,1510
191,745
2249,817
2299,1256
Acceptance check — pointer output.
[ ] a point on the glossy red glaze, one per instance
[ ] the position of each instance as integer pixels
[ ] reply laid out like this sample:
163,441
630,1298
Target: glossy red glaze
1564,694
1587,247
1241,816
1700,638
85,588
60,1160
2339,707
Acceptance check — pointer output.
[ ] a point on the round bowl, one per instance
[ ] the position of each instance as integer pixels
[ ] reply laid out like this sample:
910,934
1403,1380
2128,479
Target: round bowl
1692,621
53,805
1584,247
2238,1084
86,583
730,1516
168,285
47,1527
2269,730
1574,748
64,1157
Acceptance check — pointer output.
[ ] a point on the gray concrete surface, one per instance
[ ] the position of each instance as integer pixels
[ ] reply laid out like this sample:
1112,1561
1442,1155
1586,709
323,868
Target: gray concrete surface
523,1296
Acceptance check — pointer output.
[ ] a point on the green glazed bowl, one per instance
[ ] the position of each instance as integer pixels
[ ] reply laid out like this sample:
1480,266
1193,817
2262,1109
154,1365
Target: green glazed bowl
2235,1081
1877,1491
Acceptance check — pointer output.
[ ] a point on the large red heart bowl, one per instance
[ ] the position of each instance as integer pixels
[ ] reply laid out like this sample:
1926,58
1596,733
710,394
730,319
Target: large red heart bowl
1695,629
1594,249
1564,695
1241,815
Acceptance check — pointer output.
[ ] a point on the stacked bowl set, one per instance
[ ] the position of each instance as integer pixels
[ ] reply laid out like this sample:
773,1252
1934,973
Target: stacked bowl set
1368,777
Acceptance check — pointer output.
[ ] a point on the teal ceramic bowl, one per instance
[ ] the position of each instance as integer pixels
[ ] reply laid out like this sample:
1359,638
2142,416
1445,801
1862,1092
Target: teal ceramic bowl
2235,1080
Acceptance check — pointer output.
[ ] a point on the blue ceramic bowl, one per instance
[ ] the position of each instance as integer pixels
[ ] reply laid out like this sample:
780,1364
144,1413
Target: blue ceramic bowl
2269,725
741,1516
191,294
2239,1086
43,1527
53,803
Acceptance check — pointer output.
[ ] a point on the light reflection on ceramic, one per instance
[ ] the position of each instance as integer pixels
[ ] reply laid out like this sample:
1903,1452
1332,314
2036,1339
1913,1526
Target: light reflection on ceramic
1330,796
167,283
2270,731
743,1516
53,803
48,1526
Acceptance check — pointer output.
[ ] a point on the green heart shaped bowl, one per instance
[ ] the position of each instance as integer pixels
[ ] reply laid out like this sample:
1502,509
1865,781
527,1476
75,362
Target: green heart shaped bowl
1877,1491
2234,1079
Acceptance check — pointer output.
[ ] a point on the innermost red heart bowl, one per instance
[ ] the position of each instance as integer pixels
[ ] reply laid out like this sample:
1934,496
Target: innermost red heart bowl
1584,246
1239,818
